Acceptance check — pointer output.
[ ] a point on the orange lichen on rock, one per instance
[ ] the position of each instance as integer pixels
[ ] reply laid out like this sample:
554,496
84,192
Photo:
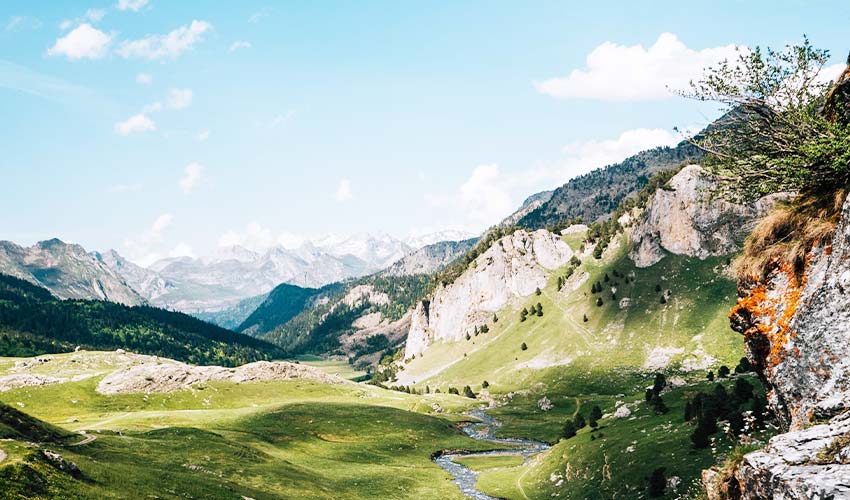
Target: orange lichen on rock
772,313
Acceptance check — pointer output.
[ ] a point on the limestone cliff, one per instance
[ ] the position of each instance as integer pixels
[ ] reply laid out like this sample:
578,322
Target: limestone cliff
797,332
687,217
514,266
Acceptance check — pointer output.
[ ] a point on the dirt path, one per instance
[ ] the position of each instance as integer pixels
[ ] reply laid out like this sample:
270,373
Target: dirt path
88,439
2,456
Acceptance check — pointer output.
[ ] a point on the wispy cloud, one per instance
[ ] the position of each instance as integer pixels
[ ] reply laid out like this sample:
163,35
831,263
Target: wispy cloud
192,174
241,44
282,118
136,123
168,46
144,79
19,23
134,5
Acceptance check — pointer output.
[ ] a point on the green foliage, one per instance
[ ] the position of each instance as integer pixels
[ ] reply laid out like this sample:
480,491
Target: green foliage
467,391
782,132
524,346
569,429
33,319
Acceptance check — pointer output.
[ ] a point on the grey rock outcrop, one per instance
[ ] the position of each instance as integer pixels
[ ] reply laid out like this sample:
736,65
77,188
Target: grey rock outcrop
797,333
514,266
688,218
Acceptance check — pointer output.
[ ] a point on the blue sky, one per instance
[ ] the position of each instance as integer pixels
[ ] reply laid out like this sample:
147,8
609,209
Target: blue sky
162,128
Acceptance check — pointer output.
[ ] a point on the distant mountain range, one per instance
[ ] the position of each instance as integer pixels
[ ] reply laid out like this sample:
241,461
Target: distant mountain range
219,282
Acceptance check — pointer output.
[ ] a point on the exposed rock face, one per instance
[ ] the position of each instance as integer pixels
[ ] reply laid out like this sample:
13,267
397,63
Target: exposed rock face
167,375
797,332
67,270
145,282
431,258
688,219
514,266
800,465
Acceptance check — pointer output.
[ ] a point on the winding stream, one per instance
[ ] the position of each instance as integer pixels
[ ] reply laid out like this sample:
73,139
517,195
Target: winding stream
485,431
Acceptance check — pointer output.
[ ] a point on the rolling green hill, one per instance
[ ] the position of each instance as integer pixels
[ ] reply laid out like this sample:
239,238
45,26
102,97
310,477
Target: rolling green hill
32,322
280,439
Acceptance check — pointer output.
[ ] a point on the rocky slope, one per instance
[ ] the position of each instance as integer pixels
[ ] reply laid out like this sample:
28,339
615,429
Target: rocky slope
515,266
797,333
429,259
67,270
687,217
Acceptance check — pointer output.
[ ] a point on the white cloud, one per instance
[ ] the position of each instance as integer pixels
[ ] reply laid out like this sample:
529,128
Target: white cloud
134,5
181,250
94,15
491,194
140,249
169,46
179,98
203,135
483,199
343,191
192,175
136,123
241,44
84,42
66,24
632,73
144,79
831,72
585,156
254,237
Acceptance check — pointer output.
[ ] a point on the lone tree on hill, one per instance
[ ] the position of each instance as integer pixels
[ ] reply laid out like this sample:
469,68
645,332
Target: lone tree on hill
467,391
523,347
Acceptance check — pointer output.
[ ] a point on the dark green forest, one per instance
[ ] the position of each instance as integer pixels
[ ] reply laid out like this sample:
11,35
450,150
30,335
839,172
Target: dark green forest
32,322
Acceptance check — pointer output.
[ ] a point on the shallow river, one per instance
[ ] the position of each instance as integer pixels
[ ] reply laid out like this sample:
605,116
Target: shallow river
485,431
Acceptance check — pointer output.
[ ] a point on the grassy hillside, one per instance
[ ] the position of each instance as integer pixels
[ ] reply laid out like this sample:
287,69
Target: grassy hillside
288,439
689,329
32,321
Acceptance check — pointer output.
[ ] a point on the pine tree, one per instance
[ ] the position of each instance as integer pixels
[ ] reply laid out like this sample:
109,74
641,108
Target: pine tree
596,412
657,483
539,309
485,385
495,318
569,429
710,376
579,421
592,422
467,391
585,318
523,347
599,302
723,372
537,291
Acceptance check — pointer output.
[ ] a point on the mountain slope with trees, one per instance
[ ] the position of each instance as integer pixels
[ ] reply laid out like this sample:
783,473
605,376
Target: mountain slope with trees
33,321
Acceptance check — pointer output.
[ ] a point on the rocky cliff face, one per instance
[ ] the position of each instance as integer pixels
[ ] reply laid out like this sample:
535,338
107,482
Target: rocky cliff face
67,270
688,218
797,332
512,267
